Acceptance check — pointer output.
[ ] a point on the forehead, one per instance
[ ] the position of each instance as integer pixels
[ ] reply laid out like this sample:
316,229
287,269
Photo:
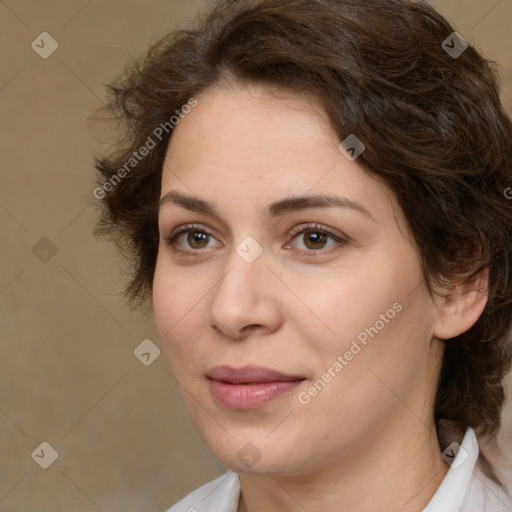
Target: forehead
251,122
259,145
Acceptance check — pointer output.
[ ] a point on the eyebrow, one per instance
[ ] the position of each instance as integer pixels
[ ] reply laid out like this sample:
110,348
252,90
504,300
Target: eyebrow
289,204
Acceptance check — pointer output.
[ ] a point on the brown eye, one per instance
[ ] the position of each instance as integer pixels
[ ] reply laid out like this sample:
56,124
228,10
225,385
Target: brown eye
189,238
315,239
196,239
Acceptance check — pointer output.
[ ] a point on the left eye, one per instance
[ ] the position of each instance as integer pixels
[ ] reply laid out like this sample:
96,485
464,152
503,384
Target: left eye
315,237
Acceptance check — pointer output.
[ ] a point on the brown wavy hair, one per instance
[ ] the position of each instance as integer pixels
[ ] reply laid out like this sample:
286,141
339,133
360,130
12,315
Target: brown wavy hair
434,129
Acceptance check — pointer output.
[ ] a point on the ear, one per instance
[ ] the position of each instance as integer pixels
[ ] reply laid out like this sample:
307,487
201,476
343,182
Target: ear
462,307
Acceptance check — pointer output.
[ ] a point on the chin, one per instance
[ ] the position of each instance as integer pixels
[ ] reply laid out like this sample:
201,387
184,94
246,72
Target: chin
259,456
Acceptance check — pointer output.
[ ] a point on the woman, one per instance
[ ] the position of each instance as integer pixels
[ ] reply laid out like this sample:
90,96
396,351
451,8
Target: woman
313,196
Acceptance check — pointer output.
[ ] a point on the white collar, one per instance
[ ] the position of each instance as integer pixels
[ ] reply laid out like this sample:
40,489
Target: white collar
450,494
465,488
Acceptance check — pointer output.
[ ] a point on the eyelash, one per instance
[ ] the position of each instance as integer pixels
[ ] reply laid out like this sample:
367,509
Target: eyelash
315,228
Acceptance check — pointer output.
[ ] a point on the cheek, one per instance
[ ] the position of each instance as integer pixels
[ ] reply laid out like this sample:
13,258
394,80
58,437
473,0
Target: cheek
367,316
173,306
341,309
382,334
164,295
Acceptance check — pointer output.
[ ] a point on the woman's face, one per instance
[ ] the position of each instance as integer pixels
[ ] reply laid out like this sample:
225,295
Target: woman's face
331,297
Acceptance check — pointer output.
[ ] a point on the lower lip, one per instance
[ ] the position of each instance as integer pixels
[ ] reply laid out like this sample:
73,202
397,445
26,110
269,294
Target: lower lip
250,396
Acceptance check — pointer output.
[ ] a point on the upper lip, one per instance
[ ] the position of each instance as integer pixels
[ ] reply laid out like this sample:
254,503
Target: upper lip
248,374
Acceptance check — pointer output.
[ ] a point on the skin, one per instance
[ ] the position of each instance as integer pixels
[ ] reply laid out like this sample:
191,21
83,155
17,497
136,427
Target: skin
367,440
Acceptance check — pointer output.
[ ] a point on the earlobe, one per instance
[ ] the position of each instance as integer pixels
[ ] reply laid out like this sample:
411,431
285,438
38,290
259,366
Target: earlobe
462,306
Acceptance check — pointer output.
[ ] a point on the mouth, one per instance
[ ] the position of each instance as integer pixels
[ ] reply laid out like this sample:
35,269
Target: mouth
250,387
249,374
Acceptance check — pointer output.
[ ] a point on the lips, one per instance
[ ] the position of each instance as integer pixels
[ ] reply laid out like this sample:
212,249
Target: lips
249,374
249,387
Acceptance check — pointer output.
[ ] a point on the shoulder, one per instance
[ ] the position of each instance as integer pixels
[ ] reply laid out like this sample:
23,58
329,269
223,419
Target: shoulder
486,493
219,495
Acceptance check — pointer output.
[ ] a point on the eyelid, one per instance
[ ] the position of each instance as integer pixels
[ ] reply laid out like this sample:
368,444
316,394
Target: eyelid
189,227
311,226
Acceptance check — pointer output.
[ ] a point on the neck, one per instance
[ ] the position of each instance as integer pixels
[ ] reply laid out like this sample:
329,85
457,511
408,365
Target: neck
400,469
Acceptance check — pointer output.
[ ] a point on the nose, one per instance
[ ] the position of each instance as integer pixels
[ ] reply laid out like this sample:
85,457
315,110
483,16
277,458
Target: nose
245,300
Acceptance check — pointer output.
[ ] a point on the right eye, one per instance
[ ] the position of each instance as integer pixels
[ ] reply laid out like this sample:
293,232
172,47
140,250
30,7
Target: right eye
195,236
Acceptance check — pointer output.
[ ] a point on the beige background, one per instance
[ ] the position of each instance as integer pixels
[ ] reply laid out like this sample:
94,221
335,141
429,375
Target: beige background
68,373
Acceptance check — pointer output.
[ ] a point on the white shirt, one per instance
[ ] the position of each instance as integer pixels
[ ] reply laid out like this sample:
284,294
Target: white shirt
465,488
